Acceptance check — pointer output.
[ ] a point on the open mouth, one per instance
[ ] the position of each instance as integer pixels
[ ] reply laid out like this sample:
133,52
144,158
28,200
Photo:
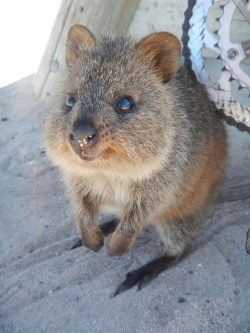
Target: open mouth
86,157
83,155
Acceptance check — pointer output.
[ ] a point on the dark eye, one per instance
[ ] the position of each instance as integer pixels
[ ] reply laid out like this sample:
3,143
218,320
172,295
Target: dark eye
70,101
125,104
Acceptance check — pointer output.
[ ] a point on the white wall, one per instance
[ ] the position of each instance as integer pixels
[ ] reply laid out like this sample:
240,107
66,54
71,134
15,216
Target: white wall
24,31
158,15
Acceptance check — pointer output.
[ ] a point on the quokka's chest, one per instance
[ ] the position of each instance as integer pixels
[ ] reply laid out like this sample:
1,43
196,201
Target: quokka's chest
110,191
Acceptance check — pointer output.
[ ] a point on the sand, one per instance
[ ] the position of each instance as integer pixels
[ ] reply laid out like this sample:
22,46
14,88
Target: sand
47,287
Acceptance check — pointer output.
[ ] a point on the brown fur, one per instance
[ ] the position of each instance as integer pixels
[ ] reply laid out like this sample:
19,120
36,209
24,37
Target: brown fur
153,50
159,164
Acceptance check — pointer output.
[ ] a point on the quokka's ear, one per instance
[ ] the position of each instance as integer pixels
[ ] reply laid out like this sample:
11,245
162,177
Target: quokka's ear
162,52
79,39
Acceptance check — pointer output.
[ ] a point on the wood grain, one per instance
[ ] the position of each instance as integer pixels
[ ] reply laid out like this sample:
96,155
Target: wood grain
98,16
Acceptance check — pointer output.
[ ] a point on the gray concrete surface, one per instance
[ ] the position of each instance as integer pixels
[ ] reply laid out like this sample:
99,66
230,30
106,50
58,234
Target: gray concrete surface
46,287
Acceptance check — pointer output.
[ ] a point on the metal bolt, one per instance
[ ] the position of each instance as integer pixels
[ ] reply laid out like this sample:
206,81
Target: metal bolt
54,66
232,54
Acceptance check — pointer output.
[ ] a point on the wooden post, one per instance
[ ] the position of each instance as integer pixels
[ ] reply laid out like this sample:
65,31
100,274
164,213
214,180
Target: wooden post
95,15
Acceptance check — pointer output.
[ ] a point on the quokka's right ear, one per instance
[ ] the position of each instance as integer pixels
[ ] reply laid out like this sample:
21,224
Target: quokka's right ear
162,52
79,39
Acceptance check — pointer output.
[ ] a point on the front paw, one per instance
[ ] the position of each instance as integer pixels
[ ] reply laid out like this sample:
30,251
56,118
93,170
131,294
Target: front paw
119,243
92,238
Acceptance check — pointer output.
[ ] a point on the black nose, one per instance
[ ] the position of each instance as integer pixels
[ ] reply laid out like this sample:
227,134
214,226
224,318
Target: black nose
83,135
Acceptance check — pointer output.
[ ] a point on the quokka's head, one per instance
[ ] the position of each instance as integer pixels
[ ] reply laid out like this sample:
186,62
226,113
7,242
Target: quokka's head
113,109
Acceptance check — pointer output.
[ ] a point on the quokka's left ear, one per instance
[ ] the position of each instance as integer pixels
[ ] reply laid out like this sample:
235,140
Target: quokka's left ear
79,39
162,52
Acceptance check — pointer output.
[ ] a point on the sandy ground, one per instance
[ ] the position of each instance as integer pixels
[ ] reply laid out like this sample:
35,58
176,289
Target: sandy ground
46,287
